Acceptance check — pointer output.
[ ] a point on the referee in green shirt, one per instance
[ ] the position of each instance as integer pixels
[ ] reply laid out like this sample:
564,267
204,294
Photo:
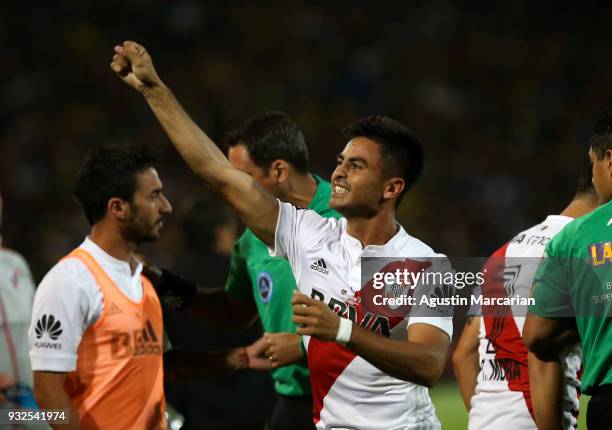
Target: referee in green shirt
271,148
576,280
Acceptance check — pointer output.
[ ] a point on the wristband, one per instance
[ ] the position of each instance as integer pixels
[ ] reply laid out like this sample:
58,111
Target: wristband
345,328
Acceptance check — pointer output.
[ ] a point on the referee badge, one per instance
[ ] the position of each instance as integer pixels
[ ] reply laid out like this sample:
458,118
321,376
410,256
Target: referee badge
265,284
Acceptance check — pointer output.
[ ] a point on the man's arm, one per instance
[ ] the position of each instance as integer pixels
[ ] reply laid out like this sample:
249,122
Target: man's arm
419,359
183,364
283,349
256,208
546,382
50,394
546,335
465,359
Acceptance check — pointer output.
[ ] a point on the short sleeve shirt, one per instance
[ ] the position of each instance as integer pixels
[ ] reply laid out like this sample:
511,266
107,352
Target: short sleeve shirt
575,280
347,390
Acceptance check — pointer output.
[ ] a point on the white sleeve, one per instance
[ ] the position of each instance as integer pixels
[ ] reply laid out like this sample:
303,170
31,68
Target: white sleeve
440,315
295,230
66,303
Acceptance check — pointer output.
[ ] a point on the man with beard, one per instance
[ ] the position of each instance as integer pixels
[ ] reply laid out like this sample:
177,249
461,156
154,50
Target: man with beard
96,336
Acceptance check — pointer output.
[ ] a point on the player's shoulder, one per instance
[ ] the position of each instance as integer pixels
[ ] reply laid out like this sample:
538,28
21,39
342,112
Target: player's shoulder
66,272
412,246
598,218
582,228
311,218
552,225
247,237
12,258
535,237
250,246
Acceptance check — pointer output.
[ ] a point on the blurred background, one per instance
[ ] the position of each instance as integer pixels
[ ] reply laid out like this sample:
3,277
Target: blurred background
501,95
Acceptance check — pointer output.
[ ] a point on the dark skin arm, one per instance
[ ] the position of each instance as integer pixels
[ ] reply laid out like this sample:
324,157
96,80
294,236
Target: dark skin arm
546,382
465,360
548,335
420,359
50,394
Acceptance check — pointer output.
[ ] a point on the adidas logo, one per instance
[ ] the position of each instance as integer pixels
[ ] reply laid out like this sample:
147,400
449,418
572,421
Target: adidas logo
148,344
113,309
48,324
136,343
320,266
148,333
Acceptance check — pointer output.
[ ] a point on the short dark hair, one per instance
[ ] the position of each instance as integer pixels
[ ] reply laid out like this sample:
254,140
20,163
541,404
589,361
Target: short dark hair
402,153
585,180
270,136
109,171
600,137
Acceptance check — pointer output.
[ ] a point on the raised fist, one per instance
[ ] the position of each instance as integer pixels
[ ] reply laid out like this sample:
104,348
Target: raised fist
133,64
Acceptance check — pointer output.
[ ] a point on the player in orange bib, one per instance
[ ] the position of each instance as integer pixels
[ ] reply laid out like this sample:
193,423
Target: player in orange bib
96,335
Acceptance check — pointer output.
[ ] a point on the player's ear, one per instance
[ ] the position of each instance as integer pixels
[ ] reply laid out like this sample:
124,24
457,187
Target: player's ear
394,188
279,169
608,158
118,208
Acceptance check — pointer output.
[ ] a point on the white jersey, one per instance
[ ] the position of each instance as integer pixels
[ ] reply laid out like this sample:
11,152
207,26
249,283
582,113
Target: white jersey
70,296
348,392
502,398
16,296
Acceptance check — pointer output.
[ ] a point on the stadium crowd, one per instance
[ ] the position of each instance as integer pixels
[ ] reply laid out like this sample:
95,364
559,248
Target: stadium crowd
513,84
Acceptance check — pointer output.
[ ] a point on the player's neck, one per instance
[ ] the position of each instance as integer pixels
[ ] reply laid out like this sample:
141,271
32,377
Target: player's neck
580,206
113,243
301,190
376,230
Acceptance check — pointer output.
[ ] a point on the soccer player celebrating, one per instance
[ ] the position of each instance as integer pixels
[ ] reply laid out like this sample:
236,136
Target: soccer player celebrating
270,148
575,281
359,378
96,336
491,361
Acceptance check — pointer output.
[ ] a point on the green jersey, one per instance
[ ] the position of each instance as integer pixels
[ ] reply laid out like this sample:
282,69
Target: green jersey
255,275
576,280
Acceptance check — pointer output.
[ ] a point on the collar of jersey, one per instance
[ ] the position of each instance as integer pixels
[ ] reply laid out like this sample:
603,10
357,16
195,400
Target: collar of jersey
388,249
108,261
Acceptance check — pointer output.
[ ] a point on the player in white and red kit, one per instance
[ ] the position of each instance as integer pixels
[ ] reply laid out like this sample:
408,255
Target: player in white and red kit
500,396
366,380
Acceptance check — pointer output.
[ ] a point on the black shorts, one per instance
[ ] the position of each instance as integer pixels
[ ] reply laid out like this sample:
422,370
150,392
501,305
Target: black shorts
599,411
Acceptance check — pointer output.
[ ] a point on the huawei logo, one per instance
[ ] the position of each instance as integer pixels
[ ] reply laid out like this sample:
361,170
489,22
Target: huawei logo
48,324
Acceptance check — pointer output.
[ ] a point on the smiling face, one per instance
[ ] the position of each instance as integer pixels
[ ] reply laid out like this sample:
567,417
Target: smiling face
359,186
147,210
